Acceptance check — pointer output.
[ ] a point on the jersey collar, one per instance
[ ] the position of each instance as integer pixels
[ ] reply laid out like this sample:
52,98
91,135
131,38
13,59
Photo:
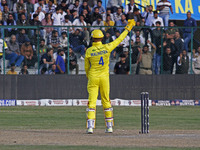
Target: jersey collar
96,43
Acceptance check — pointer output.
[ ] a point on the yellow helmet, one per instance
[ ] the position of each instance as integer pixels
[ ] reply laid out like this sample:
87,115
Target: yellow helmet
97,34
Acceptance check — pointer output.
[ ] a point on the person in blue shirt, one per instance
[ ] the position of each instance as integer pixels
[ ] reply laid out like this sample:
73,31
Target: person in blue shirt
122,23
60,63
189,22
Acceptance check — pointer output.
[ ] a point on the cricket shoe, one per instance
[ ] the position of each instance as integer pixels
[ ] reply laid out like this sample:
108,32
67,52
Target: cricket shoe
109,130
89,131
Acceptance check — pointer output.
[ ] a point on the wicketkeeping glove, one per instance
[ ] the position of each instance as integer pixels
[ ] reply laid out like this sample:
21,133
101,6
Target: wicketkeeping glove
131,23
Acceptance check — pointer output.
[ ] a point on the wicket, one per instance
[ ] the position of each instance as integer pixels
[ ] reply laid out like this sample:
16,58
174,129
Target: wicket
144,112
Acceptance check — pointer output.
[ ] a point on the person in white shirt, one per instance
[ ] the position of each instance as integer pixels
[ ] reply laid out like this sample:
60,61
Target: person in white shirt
108,12
63,13
56,18
50,7
66,22
41,15
98,22
79,22
117,15
155,19
40,4
64,40
138,34
129,9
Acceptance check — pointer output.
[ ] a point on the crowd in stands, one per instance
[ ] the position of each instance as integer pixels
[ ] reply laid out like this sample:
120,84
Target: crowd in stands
77,19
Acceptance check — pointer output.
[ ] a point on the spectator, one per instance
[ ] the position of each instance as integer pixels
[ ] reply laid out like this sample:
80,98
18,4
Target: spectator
47,59
129,9
178,42
108,12
52,70
145,59
163,6
21,37
60,63
95,14
1,49
41,15
167,61
182,63
196,61
155,19
50,7
64,6
2,4
84,6
19,8
10,22
67,22
42,47
24,70
114,4
47,22
122,67
13,52
74,16
29,8
63,14
122,22
27,52
102,10
54,40
189,22
79,22
138,34
12,70
99,23
117,15
40,4
56,18
74,7
170,32
64,40
75,40
35,22
87,17
5,12
22,21
72,61
148,15
109,23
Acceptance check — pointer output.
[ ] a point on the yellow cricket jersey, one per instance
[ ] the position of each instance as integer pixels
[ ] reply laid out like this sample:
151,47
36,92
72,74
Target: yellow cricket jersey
98,55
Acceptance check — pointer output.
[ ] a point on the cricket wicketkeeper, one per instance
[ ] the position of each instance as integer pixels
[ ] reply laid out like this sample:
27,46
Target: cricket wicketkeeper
97,72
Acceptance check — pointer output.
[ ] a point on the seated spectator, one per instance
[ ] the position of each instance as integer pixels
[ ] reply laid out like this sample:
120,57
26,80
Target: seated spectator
41,14
21,37
117,15
24,70
182,63
27,52
47,59
63,14
54,40
98,22
35,22
67,22
129,9
108,12
84,6
47,22
196,61
138,34
109,23
87,17
50,7
2,4
145,59
74,7
189,22
12,70
122,22
102,10
29,8
167,61
64,40
13,52
155,19
5,12
60,63
79,22
52,70
10,22
122,67
40,4
64,6
42,47
73,16
22,21
114,4
95,14
76,40
19,8
170,32
137,16
57,20
1,49
72,61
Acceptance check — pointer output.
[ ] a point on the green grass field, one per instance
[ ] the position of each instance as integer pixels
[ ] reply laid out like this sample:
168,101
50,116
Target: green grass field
127,118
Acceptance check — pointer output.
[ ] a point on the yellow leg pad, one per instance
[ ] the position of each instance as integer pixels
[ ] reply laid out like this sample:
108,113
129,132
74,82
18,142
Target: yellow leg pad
109,117
91,118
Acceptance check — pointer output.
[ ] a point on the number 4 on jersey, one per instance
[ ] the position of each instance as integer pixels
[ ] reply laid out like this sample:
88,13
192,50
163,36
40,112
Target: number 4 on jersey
101,61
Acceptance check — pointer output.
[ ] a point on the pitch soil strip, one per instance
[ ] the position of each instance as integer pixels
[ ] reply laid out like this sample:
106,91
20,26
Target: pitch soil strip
120,138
